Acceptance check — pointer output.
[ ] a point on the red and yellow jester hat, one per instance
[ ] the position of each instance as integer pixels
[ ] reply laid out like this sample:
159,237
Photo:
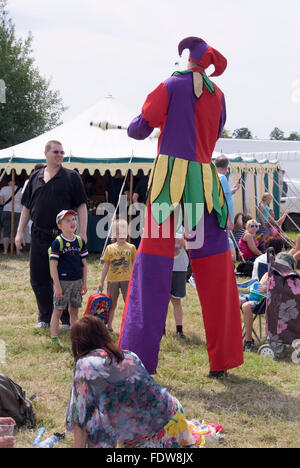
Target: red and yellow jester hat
203,55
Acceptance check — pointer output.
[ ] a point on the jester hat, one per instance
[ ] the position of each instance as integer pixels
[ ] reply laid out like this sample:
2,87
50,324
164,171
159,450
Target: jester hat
203,55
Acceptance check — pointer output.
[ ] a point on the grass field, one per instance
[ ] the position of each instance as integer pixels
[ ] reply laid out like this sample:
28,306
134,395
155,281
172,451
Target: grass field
258,404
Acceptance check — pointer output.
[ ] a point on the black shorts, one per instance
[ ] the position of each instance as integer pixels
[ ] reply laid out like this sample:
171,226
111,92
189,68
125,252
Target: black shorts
6,223
178,288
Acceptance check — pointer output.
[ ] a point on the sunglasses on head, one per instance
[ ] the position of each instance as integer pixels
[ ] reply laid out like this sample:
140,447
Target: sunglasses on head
254,226
58,152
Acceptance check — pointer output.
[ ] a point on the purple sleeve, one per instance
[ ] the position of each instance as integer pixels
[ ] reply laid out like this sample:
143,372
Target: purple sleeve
223,117
139,129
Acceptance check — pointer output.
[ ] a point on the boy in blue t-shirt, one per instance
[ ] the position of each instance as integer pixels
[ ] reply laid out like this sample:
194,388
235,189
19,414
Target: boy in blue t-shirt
69,271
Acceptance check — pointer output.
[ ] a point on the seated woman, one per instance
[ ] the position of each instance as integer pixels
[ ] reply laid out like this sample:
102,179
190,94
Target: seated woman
238,227
263,215
115,402
248,243
236,234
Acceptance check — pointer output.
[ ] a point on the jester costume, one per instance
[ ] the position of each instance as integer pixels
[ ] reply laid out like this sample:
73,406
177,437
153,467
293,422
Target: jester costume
190,111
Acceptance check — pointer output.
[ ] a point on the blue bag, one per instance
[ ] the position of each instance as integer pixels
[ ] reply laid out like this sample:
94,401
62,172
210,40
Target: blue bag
255,294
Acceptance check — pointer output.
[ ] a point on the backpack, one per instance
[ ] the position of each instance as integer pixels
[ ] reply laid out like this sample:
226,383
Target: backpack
14,404
61,246
245,269
99,305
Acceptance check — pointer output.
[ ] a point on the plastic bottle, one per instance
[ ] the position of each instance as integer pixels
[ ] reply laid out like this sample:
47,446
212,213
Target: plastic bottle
37,440
51,441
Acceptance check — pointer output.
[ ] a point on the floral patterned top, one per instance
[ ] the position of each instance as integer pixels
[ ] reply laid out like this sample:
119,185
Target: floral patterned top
116,402
283,305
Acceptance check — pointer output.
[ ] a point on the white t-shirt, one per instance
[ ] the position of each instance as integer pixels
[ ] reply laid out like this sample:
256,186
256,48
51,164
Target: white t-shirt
261,259
181,260
6,193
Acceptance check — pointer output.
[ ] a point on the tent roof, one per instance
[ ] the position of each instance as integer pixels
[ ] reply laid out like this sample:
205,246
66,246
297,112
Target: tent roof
93,148
259,149
80,140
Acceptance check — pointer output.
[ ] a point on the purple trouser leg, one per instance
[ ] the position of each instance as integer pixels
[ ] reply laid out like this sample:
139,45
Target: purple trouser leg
149,289
149,292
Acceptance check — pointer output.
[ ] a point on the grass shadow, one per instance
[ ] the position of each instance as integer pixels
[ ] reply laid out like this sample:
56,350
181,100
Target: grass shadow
243,394
4,267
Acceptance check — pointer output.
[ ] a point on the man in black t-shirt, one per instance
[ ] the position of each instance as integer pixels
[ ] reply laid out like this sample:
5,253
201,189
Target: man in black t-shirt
140,190
114,187
49,190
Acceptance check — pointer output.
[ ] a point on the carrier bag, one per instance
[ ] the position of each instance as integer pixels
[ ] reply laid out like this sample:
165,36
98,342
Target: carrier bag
255,294
14,404
99,305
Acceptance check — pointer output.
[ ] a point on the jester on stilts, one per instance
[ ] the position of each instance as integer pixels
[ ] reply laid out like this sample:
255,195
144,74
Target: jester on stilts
190,111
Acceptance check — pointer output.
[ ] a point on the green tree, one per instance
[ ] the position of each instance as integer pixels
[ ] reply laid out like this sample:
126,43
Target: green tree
294,136
31,107
226,134
277,134
242,133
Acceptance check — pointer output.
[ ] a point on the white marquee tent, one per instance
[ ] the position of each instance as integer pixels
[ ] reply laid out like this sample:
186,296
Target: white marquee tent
85,145
287,153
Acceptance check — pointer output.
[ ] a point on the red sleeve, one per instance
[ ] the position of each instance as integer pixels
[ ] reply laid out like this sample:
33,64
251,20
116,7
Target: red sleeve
155,108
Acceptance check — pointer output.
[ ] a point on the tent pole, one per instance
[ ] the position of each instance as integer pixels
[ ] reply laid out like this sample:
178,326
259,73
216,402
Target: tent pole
12,223
116,209
5,169
130,200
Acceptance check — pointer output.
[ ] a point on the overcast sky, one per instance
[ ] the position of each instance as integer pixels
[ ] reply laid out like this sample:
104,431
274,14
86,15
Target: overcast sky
92,48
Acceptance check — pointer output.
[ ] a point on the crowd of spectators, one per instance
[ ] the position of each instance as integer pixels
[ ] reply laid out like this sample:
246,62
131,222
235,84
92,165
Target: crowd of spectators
99,188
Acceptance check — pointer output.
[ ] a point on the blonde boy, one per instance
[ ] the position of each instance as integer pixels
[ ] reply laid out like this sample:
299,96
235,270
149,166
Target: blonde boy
118,262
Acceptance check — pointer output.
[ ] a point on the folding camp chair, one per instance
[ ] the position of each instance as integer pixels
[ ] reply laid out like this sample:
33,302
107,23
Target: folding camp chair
260,309
247,284
262,269
258,312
